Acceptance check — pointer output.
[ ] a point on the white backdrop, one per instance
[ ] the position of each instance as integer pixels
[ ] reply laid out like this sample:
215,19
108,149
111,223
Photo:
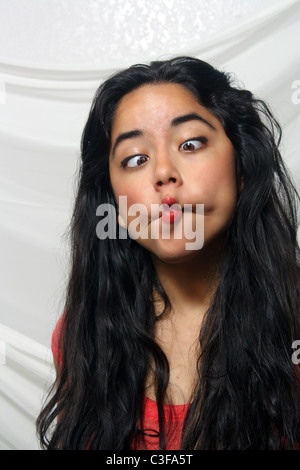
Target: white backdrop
53,55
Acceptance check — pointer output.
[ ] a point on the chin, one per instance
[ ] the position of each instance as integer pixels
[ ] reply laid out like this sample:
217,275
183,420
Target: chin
172,254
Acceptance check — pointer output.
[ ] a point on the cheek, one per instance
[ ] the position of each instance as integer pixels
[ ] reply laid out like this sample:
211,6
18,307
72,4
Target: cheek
215,185
131,194
121,187
224,195
126,194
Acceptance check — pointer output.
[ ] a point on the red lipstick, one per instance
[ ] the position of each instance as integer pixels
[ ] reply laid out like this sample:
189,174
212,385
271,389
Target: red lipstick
169,200
172,214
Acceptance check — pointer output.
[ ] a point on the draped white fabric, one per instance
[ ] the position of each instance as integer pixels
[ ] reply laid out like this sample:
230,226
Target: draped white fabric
49,71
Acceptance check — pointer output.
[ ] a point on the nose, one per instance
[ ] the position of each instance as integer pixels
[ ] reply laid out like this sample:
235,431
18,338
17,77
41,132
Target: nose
166,172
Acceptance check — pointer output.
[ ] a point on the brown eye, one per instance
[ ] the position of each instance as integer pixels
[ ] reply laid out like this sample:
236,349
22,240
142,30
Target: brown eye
135,160
193,144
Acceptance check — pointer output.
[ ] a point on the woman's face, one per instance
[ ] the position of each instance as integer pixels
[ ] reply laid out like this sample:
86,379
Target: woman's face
166,148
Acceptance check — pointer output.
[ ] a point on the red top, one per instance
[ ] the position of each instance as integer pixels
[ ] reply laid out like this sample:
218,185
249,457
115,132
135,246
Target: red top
174,414
174,418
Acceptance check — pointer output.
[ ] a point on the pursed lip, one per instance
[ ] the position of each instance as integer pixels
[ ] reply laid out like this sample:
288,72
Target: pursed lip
169,200
172,212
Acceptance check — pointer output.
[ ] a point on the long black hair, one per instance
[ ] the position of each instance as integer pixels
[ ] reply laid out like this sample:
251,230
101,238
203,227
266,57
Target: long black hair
247,396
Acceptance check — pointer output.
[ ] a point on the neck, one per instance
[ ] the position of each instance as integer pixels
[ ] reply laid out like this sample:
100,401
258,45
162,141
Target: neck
190,284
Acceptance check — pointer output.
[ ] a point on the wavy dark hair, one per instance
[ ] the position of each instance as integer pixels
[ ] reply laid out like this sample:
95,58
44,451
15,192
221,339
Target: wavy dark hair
247,396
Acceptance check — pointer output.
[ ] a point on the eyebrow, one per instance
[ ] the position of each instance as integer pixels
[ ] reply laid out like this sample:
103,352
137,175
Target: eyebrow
127,135
191,117
174,123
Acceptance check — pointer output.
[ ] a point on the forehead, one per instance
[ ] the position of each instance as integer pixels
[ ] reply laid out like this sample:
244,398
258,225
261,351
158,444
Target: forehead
156,105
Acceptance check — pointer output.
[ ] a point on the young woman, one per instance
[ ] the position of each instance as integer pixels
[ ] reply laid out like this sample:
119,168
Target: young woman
164,345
